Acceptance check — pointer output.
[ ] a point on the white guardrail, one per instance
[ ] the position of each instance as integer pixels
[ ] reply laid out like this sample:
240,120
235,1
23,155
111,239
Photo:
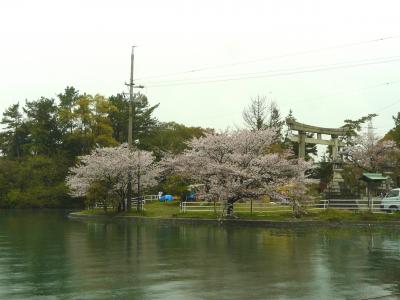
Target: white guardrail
255,207
373,205
150,198
143,200
146,198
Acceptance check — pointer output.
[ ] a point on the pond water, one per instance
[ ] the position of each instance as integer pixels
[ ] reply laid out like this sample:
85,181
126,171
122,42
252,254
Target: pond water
44,255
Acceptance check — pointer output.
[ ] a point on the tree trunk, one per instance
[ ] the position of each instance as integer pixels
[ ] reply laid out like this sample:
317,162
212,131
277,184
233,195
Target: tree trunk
229,207
298,211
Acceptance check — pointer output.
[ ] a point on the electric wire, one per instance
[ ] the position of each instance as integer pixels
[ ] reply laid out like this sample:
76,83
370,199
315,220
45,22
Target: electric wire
343,92
292,54
295,69
350,92
277,73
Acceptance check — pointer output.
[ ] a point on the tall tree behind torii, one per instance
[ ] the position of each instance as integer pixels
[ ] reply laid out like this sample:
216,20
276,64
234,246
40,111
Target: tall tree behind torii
261,114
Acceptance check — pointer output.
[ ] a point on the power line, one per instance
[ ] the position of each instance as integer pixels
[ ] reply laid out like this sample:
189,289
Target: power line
225,76
278,73
388,106
346,92
299,53
282,118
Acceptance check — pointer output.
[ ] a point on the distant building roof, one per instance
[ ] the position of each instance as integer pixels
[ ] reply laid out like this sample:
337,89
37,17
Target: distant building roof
373,177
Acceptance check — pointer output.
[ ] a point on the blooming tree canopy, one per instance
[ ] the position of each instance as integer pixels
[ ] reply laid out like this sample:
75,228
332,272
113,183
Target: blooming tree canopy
370,153
112,165
238,164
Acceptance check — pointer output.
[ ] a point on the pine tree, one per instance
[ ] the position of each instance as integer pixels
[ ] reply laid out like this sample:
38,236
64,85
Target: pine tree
143,120
15,134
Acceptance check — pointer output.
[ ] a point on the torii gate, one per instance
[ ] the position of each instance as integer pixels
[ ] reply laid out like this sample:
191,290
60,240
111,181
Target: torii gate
302,138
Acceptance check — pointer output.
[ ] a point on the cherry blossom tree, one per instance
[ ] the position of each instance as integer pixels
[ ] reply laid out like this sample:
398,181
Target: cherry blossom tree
111,165
238,164
371,154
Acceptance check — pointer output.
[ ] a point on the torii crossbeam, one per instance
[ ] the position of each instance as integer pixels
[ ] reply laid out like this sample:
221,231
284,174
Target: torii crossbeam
302,138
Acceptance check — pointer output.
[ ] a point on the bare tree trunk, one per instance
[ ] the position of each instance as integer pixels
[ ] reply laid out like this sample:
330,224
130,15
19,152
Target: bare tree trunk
229,208
298,210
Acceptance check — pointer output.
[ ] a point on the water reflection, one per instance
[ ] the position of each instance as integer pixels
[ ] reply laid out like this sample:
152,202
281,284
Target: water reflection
45,254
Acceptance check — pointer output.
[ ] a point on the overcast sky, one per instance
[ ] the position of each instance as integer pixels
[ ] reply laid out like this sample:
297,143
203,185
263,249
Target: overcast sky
326,60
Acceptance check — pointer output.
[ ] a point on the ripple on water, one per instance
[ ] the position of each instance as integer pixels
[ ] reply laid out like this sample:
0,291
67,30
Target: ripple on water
47,257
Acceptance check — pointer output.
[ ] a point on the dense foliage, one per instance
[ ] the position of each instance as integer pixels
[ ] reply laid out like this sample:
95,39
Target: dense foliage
42,139
46,141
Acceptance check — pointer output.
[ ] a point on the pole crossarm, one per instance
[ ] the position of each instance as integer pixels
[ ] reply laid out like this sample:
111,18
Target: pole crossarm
294,125
296,138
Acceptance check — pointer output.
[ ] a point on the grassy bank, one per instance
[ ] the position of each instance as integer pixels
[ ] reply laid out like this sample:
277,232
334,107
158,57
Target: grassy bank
171,210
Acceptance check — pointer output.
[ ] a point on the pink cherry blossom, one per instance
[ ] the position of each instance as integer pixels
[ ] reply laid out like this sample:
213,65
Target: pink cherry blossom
238,164
113,165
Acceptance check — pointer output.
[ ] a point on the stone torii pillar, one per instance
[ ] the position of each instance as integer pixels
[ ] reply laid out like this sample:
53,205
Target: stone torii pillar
335,147
302,144
334,187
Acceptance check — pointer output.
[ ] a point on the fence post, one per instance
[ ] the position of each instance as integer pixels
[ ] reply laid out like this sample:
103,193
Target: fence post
369,198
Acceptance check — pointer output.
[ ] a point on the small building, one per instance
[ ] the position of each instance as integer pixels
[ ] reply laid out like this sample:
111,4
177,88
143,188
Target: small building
376,184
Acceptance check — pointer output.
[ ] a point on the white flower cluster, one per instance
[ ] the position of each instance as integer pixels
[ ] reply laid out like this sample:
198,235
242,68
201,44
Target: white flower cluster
371,154
239,164
112,164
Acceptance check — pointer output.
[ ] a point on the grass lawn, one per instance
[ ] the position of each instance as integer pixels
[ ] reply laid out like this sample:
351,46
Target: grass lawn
171,210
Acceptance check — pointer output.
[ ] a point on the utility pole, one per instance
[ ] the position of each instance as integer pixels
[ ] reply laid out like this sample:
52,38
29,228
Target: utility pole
130,129
138,203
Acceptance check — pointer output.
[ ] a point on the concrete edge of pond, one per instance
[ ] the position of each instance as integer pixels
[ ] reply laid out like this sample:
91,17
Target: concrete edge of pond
238,222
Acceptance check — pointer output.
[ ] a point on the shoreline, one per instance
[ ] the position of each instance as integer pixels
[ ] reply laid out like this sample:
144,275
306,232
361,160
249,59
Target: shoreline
236,222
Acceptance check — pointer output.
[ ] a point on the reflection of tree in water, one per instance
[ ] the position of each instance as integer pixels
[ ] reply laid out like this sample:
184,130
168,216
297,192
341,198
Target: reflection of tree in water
112,253
354,264
384,258
31,262
238,261
295,263
149,261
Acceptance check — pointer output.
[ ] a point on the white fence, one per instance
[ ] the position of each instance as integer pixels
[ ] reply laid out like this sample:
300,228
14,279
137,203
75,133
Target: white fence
149,198
252,207
144,199
134,203
374,205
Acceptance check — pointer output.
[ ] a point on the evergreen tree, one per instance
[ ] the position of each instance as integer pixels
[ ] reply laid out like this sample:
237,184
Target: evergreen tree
275,119
66,108
262,114
143,120
354,127
44,134
15,134
102,126
171,137
394,133
119,118
42,139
